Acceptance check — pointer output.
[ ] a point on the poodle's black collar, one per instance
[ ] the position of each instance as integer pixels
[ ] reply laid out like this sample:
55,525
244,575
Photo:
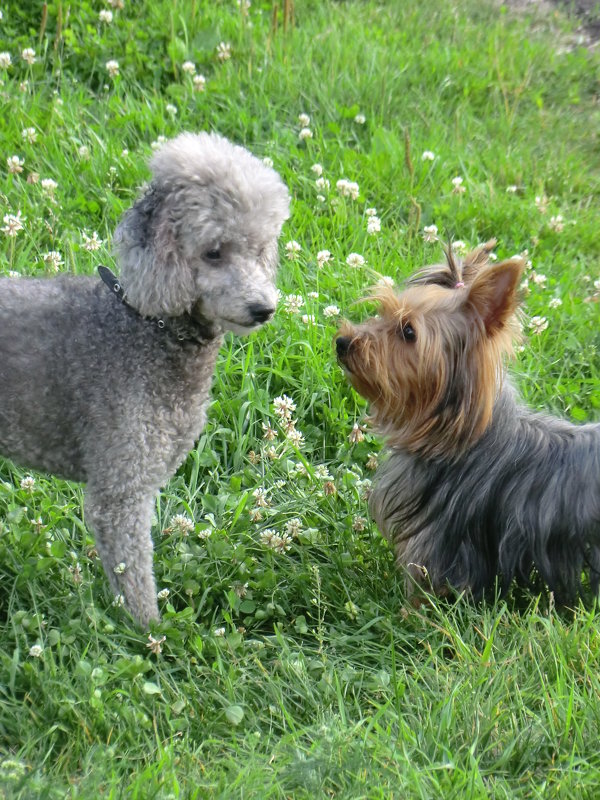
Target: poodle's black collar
183,328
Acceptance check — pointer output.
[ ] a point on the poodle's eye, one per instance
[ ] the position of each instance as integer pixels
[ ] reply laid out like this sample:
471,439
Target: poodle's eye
213,255
408,333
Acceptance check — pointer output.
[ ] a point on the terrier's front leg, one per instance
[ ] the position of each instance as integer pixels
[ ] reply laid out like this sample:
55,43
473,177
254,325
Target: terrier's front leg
121,525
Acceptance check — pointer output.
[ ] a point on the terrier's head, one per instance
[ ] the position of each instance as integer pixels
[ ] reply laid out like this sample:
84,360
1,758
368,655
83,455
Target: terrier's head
430,364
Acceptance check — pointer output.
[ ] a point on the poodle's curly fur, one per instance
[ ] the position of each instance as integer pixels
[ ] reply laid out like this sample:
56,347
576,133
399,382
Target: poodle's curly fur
115,393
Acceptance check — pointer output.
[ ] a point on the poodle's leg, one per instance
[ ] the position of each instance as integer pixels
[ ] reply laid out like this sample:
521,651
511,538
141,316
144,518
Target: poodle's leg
121,525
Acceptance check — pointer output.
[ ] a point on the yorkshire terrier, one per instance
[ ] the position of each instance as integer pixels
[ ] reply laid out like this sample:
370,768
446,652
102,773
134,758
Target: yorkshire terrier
476,490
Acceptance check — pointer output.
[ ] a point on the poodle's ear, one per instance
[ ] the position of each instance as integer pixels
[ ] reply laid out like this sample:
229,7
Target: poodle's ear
153,272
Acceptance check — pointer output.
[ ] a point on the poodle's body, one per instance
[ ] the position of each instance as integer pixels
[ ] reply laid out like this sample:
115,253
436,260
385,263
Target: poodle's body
112,390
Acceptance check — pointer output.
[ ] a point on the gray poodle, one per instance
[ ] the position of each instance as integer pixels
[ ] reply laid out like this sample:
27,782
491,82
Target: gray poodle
110,384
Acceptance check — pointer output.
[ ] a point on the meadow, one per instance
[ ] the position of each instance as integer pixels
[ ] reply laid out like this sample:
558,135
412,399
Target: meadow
288,663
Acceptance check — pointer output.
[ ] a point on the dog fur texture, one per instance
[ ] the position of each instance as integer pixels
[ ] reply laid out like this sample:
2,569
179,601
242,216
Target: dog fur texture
115,394
476,490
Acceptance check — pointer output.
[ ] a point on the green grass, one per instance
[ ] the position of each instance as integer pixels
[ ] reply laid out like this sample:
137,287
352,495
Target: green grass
300,674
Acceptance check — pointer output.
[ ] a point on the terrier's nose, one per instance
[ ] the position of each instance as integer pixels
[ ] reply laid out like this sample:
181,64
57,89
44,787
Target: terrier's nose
261,313
342,345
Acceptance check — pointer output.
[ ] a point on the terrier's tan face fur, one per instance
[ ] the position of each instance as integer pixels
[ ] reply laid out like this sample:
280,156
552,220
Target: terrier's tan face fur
430,363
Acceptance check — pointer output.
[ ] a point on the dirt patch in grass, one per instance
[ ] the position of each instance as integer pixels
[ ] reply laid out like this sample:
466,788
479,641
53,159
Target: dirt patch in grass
585,12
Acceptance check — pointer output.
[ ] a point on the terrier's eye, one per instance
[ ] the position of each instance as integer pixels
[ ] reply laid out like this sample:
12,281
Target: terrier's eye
213,255
408,333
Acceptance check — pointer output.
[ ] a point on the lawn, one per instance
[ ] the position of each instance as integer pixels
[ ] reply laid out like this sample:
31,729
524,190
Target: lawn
291,665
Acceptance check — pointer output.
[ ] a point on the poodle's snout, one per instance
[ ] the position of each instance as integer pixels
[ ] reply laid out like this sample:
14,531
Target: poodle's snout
260,313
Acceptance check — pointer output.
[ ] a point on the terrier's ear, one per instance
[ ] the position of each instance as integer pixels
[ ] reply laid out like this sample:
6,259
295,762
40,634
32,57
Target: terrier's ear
493,294
476,260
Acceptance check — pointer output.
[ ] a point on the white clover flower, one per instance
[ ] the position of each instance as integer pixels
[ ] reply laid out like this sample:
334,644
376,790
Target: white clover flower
360,119
293,303
457,183
268,162
205,533
292,249
199,83
171,109
556,223
293,527
304,120
541,202
163,594
355,260
260,497
427,155
119,601
28,55
83,152
120,568
459,247
539,279
313,295
356,434
92,242
112,68
305,133
359,524
317,169
511,189
36,650
14,164
269,433
280,542
27,483
155,645
331,311
364,487
322,184
223,51
13,223
5,60
272,454
386,280
53,259
430,233
255,514
49,185
308,319
538,324
322,473
158,143
29,134
372,461
371,212
373,225
118,4
323,256
555,302
219,632
347,188
189,67
182,524
284,407
105,16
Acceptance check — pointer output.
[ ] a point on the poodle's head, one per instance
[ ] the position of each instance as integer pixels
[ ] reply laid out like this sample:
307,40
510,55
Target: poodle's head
203,238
